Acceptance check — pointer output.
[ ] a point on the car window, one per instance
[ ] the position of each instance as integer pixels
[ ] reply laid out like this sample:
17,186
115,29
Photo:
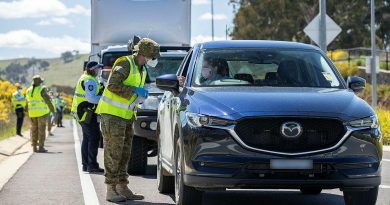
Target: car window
166,65
252,67
184,65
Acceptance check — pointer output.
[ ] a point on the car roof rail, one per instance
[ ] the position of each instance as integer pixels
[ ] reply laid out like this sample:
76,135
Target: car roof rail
174,48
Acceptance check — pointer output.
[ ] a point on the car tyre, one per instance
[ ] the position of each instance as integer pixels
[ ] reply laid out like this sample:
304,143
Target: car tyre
165,184
184,195
311,191
368,197
139,156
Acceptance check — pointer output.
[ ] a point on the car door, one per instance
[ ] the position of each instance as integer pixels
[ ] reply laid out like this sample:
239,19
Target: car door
174,104
166,118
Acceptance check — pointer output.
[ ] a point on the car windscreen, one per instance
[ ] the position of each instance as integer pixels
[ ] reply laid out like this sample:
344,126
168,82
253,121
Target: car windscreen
109,58
265,67
165,65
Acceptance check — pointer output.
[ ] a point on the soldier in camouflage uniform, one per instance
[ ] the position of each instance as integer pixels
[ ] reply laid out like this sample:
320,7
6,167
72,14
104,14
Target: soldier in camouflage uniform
117,110
39,106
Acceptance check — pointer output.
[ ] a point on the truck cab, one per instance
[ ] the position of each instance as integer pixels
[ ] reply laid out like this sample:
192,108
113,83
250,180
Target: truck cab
145,138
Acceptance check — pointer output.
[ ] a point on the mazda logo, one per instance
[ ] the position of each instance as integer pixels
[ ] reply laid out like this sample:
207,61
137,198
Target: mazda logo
291,129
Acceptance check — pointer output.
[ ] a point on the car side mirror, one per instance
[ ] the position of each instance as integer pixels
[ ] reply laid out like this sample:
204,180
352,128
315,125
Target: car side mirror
357,84
168,82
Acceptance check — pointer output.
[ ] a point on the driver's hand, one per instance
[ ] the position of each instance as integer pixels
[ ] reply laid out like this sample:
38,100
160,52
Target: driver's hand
181,80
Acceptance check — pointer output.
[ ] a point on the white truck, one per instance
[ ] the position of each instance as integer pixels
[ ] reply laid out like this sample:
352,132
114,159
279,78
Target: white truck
114,23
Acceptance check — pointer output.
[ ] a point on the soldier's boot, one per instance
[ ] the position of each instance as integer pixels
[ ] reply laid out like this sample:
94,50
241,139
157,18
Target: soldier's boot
34,148
112,194
123,190
41,149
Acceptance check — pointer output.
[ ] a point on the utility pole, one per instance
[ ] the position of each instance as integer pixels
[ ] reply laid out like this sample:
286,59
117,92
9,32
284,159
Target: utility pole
212,20
226,32
322,33
373,56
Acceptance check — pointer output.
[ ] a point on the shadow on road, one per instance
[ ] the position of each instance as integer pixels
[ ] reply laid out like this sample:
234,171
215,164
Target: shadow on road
20,153
151,172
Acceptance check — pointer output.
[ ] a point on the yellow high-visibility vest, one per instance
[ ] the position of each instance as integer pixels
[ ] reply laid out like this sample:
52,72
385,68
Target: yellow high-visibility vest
113,104
37,106
18,100
79,96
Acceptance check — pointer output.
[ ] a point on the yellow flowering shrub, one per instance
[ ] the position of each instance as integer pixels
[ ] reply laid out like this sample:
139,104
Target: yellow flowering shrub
68,100
347,69
7,89
337,55
384,118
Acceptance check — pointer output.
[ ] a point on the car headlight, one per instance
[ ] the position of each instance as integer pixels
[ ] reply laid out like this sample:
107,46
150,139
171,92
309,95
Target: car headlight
369,122
199,120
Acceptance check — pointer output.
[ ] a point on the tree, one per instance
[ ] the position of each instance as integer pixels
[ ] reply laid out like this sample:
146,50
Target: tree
273,19
286,19
67,56
16,72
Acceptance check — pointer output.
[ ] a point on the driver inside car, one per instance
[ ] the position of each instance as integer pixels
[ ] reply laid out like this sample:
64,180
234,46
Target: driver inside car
212,70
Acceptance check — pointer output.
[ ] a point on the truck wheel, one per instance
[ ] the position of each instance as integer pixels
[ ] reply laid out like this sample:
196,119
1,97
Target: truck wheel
139,156
311,191
184,195
361,197
166,184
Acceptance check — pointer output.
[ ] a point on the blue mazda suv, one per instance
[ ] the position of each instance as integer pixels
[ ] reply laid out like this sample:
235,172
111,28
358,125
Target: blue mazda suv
265,114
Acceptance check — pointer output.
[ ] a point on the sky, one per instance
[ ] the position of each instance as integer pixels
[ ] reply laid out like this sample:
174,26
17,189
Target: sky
47,28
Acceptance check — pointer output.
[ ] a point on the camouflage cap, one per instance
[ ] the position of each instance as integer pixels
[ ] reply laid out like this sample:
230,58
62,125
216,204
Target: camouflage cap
148,48
37,80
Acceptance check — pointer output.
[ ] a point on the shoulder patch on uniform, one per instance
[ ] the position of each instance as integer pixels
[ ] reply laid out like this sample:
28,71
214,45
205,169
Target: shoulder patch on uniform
90,87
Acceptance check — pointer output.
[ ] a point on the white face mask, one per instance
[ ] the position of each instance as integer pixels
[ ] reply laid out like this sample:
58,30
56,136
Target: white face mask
151,63
20,90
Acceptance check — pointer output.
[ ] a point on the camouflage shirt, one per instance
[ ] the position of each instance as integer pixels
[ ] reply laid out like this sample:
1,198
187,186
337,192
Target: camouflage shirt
119,74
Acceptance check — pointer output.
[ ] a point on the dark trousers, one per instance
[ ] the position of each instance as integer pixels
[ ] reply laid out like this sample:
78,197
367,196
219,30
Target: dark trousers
90,144
59,118
19,120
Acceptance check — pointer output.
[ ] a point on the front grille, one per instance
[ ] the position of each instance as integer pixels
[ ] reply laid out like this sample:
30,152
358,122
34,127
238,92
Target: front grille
265,133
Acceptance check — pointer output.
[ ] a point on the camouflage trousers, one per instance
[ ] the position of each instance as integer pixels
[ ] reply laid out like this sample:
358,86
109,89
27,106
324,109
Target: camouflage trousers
49,123
38,130
118,136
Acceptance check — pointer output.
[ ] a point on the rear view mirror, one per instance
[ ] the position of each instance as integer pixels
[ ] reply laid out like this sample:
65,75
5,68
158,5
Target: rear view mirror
168,82
357,84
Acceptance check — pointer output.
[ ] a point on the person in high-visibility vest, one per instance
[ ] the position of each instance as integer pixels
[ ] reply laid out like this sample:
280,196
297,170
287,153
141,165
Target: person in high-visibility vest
39,106
60,105
51,116
117,109
19,104
85,100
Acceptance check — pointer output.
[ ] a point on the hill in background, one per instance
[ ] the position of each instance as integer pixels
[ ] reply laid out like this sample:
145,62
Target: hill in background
57,73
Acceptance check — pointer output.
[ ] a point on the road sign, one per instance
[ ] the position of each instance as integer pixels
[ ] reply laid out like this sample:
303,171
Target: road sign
313,29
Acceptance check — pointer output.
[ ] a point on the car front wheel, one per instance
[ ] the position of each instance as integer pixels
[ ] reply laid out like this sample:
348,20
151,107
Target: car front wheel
139,156
368,197
184,195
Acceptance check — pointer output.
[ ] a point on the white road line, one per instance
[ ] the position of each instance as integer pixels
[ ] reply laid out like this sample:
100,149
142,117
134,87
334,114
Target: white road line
89,193
384,186
386,160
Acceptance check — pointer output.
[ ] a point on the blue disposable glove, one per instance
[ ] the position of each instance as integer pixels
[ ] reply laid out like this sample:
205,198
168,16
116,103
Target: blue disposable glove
141,92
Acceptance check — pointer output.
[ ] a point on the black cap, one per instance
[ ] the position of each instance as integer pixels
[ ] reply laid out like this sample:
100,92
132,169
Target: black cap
93,65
